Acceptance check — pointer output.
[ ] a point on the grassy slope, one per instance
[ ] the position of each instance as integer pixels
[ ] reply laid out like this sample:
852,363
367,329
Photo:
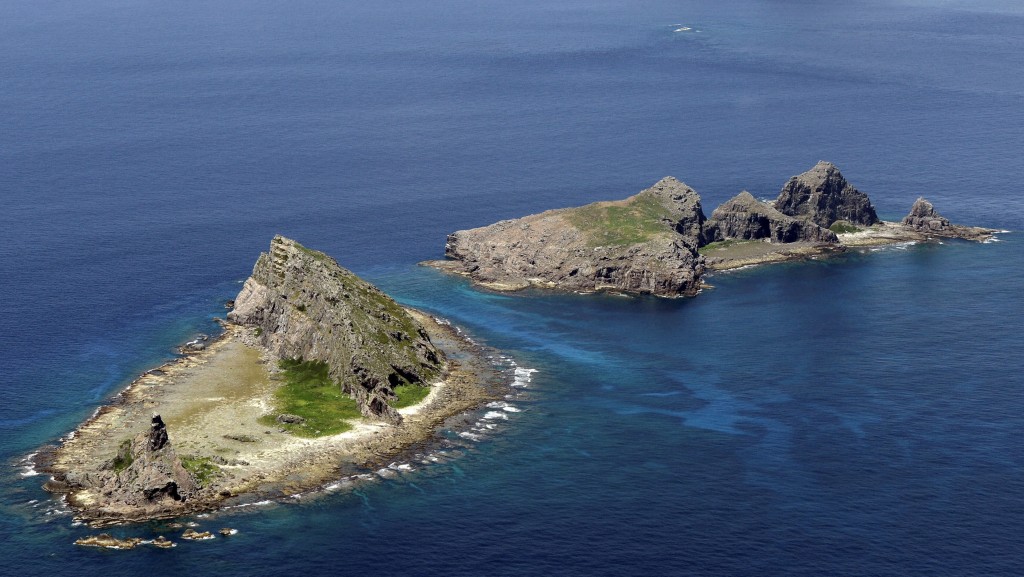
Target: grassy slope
635,221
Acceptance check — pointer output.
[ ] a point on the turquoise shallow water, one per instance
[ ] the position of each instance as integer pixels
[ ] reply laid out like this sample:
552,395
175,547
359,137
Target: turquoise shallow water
855,416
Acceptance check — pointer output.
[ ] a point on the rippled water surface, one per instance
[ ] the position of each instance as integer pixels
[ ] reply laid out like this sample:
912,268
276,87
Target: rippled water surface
854,416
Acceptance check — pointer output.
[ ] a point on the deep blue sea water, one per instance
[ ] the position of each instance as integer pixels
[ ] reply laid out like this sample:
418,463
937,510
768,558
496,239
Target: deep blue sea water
862,415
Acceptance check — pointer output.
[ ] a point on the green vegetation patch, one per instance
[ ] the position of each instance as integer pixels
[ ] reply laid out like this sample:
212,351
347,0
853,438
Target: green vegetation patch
409,395
124,458
638,221
843,227
309,392
201,468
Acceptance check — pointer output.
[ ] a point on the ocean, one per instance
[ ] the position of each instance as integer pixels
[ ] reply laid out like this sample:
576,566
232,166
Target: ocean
859,415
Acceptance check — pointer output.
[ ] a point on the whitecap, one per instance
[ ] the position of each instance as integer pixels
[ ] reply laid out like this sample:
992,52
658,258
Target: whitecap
495,415
511,409
523,377
470,436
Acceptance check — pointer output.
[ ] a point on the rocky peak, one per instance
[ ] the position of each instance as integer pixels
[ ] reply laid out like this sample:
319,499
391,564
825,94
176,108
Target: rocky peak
148,474
304,305
157,434
683,206
923,216
745,217
822,196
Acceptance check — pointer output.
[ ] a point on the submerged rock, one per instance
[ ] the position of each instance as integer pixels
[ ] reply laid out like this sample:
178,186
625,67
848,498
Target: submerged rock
163,542
107,541
193,535
822,196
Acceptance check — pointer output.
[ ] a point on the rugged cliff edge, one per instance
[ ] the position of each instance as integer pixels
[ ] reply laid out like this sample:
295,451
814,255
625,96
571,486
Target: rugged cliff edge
646,243
304,305
659,241
206,430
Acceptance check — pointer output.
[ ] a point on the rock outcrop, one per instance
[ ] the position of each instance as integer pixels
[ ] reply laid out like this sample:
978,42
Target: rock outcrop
924,219
151,474
146,479
744,217
822,196
302,304
644,244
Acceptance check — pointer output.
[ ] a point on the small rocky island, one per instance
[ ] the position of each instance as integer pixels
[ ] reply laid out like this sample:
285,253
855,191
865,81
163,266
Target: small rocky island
316,370
660,242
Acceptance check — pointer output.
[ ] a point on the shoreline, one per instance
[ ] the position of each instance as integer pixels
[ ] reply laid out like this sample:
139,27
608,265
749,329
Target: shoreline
735,254
211,400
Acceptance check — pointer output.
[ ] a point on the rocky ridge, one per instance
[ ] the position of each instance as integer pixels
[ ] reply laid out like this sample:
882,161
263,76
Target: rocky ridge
744,217
659,241
301,304
646,243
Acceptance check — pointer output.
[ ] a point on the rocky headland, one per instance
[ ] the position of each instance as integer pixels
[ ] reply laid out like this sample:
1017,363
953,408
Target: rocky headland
362,380
646,243
659,241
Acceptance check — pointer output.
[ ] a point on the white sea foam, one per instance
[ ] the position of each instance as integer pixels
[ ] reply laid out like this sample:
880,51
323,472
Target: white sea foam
470,436
511,409
523,377
244,506
683,29
28,466
495,415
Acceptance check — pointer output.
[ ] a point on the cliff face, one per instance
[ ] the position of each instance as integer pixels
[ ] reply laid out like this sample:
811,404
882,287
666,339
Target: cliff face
303,304
745,217
822,196
644,244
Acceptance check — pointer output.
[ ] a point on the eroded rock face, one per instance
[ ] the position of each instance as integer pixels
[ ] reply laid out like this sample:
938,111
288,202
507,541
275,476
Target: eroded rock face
745,217
146,479
924,219
644,244
821,195
303,304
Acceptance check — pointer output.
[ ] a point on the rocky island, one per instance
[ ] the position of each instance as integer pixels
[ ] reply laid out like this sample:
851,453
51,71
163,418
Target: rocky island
659,241
316,370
